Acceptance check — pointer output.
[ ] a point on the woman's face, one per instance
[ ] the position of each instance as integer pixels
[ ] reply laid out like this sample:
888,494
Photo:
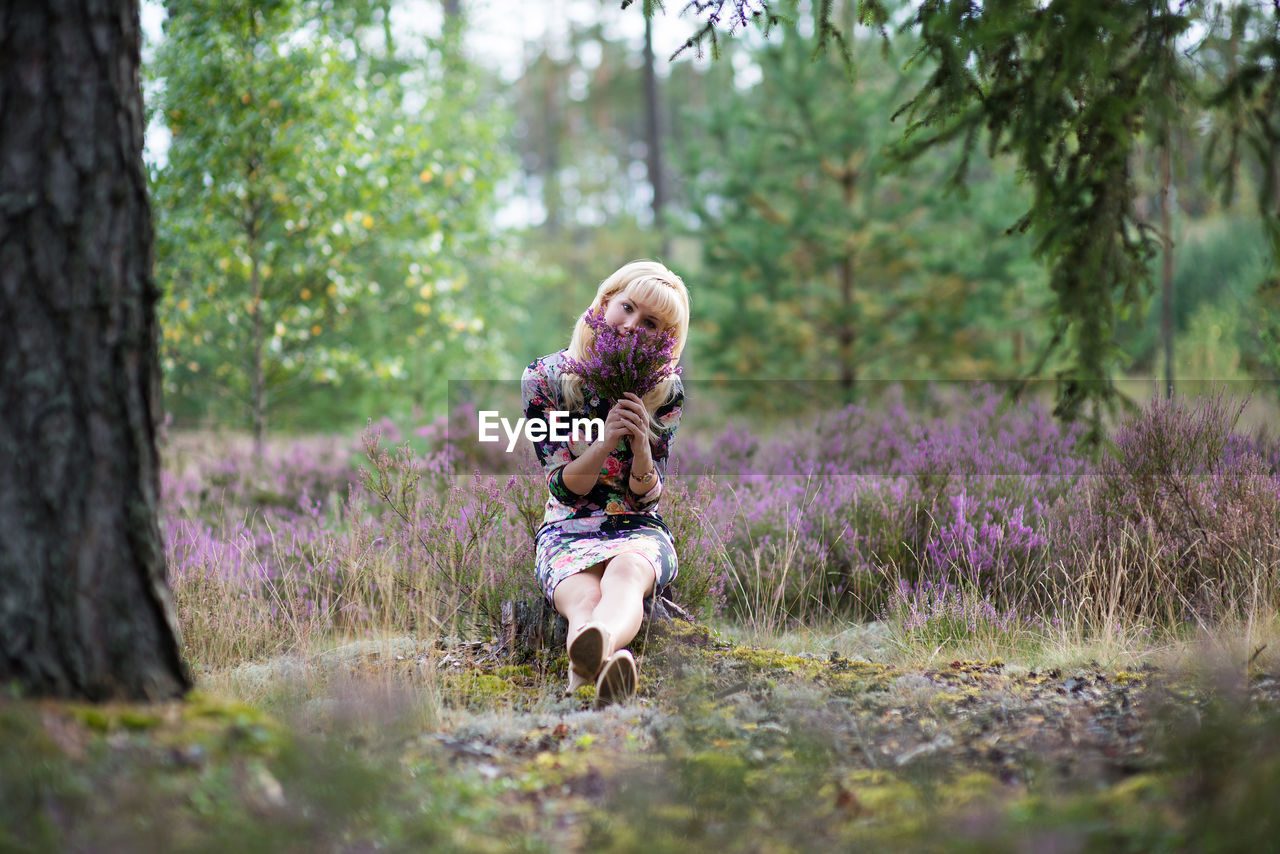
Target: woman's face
627,314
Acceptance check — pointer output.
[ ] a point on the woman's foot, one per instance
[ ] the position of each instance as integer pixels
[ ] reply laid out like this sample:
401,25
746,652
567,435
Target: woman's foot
587,653
617,680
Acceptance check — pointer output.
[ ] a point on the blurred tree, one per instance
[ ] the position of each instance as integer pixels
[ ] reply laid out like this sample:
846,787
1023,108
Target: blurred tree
587,123
653,136
819,262
1218,248
319,193
1064,87
596,93
1242,52
1219,261
84,609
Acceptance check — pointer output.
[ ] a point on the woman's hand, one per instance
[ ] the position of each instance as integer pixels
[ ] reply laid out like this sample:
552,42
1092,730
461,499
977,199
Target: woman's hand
634,414
628,417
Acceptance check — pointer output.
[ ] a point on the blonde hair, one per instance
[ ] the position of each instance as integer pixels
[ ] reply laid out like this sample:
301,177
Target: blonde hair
655,286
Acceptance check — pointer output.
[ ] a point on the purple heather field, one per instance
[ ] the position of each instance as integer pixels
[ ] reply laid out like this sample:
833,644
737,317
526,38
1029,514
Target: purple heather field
951,515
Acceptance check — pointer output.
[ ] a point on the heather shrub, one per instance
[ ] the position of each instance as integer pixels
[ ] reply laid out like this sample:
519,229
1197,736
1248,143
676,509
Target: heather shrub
939,611
219,477
957,516
257,550
277,580
474,536
220,618
730,453
829,519
400,546
462,543
411,550
700,545
1189,510
776,546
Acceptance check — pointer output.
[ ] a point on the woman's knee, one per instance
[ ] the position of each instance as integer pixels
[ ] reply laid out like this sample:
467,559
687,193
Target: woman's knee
633,570
577,592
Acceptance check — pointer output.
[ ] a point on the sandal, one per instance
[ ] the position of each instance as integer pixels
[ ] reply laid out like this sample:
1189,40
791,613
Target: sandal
586,655
617,680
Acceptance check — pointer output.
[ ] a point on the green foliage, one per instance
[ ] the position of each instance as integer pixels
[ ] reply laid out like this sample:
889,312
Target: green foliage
1074,91
829,35
1217,264
1065,88
1243,49
1227,753
1240,54
1207,349
1268,328
699,588
580,132
312,209
841,269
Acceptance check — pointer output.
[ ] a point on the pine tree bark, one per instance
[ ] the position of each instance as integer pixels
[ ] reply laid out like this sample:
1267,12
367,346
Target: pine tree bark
84,608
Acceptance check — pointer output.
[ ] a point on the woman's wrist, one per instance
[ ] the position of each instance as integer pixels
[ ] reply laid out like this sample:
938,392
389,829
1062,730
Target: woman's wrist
642,482
642,462
645,474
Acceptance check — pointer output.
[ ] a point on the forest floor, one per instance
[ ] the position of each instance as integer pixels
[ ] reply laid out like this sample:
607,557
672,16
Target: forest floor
395,745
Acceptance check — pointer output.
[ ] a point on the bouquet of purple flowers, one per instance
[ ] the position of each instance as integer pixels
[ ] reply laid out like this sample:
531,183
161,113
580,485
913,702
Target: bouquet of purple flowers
620,363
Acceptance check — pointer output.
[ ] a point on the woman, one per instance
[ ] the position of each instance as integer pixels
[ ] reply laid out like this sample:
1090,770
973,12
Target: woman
602,547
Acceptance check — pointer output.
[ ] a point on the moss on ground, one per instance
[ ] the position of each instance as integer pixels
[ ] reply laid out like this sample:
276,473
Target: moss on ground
727,748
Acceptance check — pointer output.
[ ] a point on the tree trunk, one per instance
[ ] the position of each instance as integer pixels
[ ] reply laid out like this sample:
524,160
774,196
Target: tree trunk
84,608
1019,339
847,333
530,626
1166,278
552,123
258,380
653,137
388,38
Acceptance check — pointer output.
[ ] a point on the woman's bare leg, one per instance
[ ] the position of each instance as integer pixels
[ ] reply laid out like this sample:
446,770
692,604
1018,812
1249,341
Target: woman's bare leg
627,579
611,594
577,597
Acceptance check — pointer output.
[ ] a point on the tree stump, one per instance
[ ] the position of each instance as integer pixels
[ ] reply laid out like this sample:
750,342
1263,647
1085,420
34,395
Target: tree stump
532,626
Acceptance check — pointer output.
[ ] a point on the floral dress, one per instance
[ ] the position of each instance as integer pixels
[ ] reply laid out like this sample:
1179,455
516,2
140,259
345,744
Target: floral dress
579,531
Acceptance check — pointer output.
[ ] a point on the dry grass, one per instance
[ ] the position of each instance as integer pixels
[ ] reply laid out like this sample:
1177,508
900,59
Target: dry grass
1241,646
357,685
1096,623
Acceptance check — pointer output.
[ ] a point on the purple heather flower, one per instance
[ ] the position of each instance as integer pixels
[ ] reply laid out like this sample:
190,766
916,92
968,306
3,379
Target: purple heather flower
618,363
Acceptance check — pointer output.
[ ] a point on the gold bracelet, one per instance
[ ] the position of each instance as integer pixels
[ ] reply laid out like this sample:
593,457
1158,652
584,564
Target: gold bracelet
647,477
